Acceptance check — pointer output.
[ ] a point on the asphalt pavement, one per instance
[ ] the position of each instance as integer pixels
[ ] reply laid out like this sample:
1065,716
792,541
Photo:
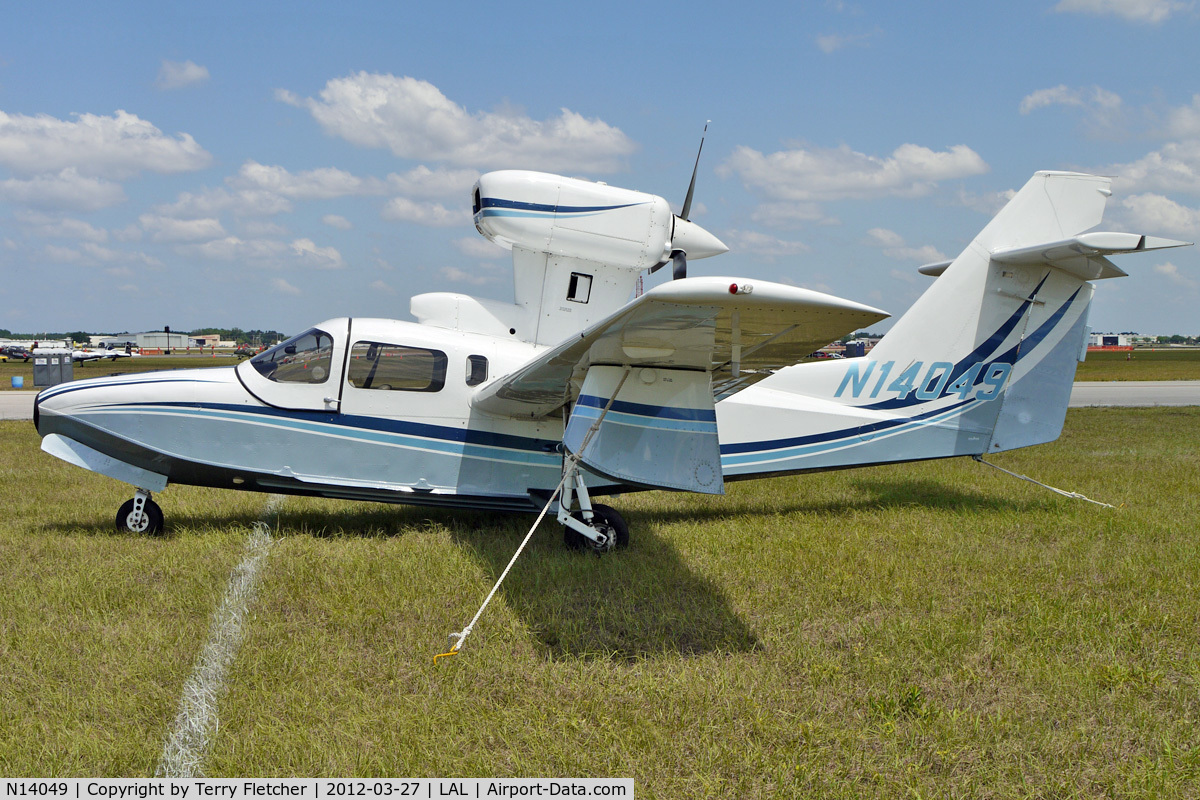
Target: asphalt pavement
1129,394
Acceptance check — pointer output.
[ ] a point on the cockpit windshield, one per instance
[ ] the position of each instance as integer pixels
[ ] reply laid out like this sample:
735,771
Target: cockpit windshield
306,358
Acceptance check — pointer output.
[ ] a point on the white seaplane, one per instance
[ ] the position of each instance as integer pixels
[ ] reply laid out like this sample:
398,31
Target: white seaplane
576,386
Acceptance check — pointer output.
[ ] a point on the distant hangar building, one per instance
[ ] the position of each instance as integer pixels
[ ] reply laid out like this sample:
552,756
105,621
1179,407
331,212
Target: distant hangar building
1111,339
151,340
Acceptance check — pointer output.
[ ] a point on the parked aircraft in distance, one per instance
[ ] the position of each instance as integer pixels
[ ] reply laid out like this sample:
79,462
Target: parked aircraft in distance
490,405
16,351
79,356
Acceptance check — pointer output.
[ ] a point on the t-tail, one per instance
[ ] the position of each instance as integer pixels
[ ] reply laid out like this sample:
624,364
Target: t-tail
983,362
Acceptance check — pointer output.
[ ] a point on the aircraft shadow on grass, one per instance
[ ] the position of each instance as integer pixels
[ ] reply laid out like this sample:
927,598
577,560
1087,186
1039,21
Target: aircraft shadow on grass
106,528
638,603
865,495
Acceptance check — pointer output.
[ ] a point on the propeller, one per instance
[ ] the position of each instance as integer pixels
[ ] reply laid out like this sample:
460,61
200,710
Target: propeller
684,232
687,200
678,265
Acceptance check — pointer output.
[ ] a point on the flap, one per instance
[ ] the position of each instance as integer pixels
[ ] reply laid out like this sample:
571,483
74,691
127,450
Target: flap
741,331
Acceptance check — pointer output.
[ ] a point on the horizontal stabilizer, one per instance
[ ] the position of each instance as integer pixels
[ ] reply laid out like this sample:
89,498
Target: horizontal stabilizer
1083,255
935,269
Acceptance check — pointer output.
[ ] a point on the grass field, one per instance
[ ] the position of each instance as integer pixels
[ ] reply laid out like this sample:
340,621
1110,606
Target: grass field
1145,365
1163,364
930,630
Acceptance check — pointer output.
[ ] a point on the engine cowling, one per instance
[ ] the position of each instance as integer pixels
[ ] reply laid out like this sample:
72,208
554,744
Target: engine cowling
576,218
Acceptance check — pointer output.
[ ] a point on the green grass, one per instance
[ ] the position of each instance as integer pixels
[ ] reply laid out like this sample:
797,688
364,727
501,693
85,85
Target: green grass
932,630
1160,364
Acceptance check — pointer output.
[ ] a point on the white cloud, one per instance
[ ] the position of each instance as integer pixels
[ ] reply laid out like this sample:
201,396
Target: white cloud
810,175
893,246
91,254
336,221
1172,274
790,215
263,251
283,287
99,252
478,247
1153,212
762,245
50,227
313,184
484,273
65,255
1135,10
413,119
319,257
988,203
380,286
177,75
1093,97
113,147
1175,167
65,190
1184,122
260,229
432,184
211,202
170,229
831,43
401,209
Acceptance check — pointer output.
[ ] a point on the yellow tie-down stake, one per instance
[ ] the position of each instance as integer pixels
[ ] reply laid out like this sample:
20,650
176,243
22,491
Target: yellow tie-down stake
456,640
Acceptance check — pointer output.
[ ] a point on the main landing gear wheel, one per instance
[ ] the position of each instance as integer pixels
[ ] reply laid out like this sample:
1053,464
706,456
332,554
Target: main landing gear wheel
150,520
606,520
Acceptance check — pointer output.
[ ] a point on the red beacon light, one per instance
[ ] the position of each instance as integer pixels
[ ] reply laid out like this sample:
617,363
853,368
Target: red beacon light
745,288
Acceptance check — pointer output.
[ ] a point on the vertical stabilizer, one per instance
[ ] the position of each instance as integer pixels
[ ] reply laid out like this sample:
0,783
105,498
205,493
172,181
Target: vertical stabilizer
982,362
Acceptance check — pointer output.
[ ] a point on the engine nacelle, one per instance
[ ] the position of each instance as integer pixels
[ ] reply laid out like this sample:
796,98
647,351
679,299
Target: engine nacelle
571,217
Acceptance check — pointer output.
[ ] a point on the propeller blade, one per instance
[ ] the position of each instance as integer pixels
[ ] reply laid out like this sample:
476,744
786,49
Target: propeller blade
678,264
687,201
658,266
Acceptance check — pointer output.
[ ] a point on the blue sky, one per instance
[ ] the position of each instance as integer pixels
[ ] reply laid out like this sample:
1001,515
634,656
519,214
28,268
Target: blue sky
272,165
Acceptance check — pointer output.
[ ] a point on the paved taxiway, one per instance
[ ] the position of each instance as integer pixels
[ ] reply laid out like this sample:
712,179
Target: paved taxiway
19,405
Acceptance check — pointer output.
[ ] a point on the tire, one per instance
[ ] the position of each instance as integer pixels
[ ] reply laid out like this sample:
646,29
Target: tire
602,516
151,522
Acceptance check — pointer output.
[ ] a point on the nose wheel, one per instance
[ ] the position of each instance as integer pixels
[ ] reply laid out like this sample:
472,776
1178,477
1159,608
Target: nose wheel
140,515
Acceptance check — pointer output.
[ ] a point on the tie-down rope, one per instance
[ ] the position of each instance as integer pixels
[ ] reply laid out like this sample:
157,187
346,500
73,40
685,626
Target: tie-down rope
1072,495
571,463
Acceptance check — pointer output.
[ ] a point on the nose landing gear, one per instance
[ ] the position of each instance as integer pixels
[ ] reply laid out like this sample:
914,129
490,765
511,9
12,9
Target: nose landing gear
140,515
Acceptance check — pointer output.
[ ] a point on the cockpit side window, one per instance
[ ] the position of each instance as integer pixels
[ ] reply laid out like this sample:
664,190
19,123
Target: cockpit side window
302,359
477,370
376,365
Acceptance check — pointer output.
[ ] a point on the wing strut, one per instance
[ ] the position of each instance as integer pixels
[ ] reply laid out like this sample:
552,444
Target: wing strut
572,480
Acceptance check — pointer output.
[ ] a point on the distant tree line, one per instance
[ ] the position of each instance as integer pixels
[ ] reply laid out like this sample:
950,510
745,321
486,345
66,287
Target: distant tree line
240,336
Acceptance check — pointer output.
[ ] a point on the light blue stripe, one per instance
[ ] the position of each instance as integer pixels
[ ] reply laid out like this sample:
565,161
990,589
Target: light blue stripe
489,453
649,423
851,439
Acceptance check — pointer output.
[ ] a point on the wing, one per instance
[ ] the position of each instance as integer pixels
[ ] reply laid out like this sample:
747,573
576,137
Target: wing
739,331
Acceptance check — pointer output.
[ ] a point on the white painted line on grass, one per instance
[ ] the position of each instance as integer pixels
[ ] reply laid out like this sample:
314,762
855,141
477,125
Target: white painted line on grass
196,722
